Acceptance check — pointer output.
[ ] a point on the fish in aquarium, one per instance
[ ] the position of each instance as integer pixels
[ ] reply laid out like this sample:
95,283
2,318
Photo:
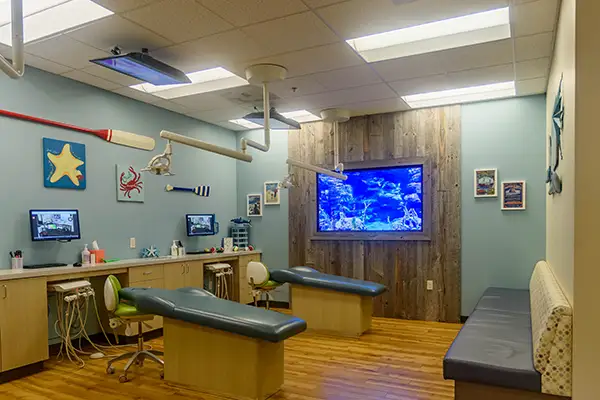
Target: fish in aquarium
372,200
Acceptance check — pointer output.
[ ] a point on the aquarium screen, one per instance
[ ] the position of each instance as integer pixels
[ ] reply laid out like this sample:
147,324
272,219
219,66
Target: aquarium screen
372,200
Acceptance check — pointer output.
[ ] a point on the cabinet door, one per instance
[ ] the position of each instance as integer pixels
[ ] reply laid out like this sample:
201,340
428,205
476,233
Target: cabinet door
174,275
23,322
195,274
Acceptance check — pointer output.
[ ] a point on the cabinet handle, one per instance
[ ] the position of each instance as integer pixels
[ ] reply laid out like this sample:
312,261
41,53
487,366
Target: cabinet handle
147,273
5,291
187,269
182,269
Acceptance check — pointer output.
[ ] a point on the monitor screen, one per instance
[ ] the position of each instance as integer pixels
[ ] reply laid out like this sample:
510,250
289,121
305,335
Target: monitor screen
200,224
54,225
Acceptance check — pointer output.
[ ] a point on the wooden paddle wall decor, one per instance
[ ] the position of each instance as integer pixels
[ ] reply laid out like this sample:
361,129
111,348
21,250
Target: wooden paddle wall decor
403,266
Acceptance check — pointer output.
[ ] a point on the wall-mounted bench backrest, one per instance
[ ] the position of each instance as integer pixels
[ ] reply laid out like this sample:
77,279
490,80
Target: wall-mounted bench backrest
551,327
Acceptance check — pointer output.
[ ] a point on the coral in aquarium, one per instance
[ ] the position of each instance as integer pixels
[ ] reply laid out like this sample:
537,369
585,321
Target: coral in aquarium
372,200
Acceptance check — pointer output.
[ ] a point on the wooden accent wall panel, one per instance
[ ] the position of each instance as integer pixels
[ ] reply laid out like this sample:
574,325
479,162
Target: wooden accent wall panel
403,266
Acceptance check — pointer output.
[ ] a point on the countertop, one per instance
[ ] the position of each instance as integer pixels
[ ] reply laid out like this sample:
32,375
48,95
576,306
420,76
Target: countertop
10,274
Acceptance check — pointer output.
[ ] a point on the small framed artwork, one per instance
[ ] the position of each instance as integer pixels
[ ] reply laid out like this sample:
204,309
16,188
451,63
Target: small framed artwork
272,194
254,204
486,182
513,196
130,184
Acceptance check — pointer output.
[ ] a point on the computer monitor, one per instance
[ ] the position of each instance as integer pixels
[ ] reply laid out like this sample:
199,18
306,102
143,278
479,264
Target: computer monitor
54,225
201,224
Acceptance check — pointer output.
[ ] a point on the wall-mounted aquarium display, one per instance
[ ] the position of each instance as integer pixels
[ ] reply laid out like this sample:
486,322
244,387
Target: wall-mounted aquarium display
383,200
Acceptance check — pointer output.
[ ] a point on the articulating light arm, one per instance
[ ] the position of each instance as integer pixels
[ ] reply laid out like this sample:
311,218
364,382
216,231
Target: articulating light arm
200,144
314,168
17,68
244,143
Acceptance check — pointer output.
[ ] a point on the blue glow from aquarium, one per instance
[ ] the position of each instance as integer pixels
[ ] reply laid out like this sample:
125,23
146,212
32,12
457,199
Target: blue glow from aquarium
372,200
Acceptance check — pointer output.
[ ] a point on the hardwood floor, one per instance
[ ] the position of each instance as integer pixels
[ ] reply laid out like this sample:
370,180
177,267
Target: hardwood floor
396,360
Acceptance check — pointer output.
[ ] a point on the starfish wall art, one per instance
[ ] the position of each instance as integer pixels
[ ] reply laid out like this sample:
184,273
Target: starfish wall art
64,164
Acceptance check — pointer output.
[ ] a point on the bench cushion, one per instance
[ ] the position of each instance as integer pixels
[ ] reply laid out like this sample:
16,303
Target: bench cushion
494,347
302,276
199,307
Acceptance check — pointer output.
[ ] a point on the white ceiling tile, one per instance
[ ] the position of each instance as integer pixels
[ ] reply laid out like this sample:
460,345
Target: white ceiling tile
358,18
455,80
360,75
532,69
532,86
91,80
110,75
115,30
225,49
535,46
246,12
223,114
534,17
66,51
123,5
137,95
303,85
376,107
230,126
345,96
168,105
409,67
321,3
203,102
291,33
477,56
317,59
36,62
178,20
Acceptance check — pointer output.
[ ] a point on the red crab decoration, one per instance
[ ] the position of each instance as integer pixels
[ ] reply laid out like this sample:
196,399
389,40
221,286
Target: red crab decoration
129,182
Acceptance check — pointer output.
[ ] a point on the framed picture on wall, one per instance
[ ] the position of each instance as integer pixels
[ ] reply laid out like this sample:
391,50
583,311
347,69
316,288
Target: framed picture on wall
486,182
254,205
272,194
513,196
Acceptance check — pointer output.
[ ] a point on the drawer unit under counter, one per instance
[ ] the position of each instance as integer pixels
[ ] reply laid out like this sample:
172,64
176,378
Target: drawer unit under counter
145,273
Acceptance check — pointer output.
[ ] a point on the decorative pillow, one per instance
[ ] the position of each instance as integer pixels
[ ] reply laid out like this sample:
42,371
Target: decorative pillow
551,328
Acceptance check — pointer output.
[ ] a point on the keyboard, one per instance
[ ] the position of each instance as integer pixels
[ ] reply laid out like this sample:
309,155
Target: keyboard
49,265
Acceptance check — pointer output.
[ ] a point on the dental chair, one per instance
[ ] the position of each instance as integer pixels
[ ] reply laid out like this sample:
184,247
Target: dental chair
119,313
260,282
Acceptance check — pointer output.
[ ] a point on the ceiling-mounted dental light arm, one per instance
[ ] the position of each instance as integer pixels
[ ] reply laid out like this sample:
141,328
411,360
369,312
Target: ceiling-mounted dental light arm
316,169
335,116
16,69
200,144
244,143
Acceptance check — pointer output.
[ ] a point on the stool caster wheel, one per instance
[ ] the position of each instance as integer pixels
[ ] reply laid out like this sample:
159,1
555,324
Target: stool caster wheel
123,378
162,374
110,370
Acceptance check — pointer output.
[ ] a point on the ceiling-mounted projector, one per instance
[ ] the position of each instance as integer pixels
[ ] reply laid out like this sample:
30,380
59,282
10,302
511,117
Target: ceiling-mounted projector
143,66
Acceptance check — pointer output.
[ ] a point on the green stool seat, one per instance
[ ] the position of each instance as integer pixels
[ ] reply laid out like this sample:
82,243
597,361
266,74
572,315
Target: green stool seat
270,284
124,310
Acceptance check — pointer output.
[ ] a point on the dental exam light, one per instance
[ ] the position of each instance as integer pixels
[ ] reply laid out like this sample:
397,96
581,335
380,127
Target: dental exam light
17,68
200,144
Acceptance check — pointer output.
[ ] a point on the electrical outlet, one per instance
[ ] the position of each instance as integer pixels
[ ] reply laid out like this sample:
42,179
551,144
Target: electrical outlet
429,285
132,243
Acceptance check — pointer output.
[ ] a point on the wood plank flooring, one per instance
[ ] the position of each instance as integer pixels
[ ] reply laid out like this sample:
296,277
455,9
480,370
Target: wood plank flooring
397,359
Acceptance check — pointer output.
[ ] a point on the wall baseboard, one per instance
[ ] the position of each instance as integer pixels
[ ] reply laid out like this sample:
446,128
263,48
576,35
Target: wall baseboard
463,318
21,372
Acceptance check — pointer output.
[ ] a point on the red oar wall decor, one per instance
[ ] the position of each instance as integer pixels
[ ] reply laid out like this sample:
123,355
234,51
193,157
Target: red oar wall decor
110,135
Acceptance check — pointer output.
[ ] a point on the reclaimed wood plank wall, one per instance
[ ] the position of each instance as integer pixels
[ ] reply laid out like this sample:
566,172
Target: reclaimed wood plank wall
403,266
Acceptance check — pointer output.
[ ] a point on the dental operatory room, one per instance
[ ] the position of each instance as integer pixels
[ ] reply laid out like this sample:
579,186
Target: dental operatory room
299,199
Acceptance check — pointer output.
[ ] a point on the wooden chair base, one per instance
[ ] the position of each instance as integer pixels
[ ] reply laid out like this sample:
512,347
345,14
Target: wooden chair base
331,312
475,391
221,363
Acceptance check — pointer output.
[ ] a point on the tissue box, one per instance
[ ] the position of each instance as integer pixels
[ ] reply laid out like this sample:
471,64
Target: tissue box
99,255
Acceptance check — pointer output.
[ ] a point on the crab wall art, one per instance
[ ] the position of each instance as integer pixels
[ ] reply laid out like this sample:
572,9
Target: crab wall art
130,185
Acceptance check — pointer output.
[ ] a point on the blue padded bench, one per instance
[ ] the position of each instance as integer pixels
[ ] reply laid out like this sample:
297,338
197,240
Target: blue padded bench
330,303
492,356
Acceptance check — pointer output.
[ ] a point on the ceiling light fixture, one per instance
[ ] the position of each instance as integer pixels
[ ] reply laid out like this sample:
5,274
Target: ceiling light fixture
301,116
43,18
463,95
245,123
208,80
276,120
435,36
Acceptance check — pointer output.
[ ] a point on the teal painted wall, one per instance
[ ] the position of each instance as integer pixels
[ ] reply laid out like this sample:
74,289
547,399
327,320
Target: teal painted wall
157,221
500,248
269,232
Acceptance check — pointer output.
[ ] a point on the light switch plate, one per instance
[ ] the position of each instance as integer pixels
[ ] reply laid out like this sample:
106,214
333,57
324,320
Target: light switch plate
132,243
429,285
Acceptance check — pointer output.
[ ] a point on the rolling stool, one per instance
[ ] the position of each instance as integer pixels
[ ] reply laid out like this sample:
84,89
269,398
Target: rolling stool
121,312
258,278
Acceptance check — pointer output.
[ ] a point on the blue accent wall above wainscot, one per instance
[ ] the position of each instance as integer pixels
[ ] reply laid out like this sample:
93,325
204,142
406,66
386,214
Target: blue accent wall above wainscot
500,248
158,221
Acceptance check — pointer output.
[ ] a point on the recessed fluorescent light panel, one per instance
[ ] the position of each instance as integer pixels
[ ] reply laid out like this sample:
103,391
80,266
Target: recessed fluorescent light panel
464,95
245,123
462,31
209,80
301,116
42,18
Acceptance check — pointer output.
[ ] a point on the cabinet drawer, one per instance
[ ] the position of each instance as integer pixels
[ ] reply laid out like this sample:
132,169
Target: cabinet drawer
150,283
147,273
